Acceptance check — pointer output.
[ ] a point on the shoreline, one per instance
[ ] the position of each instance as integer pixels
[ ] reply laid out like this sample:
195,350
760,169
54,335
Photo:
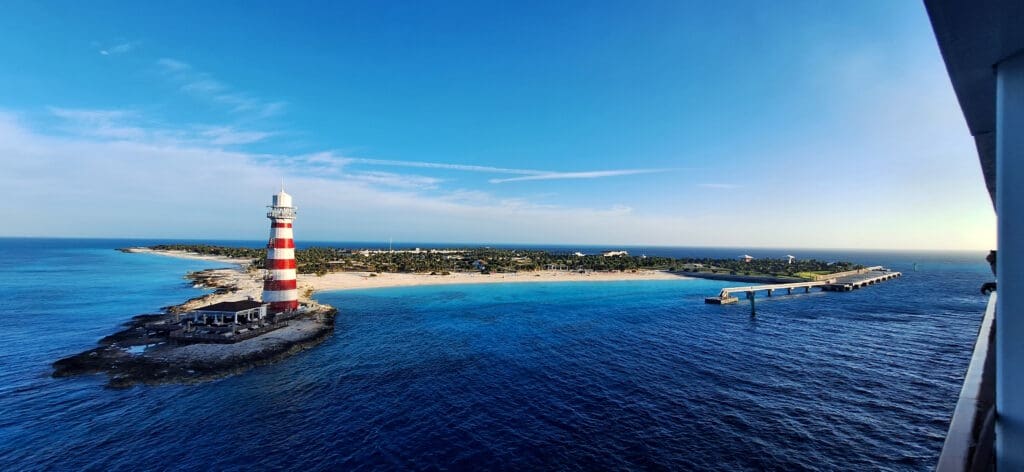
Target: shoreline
338,281
244,263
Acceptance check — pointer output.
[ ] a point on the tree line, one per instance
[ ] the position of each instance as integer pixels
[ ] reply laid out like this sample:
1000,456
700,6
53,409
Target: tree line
321,260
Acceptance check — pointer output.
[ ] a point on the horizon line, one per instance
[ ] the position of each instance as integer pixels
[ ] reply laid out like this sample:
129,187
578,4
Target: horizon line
465,244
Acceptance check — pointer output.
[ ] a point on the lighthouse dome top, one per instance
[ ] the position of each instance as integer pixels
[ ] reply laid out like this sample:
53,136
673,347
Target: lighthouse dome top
281,207
282,199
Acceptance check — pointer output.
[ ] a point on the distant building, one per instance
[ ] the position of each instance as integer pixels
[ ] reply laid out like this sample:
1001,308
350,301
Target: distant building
578,254
746,258
615,253
790,258
479,264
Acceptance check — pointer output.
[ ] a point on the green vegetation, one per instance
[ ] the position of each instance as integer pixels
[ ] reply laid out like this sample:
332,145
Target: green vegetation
810,274
321,260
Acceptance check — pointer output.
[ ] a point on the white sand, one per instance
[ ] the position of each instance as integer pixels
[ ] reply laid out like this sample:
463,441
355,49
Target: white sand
191,255
362,280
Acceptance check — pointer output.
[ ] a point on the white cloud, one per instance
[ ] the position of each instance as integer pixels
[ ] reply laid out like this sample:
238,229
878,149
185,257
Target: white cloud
892,145
179,189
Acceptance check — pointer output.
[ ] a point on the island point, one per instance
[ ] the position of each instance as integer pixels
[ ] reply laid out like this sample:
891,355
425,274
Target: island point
230,330
261,309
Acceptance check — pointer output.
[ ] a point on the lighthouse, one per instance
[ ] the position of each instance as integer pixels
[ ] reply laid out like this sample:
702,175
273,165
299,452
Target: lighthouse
279,289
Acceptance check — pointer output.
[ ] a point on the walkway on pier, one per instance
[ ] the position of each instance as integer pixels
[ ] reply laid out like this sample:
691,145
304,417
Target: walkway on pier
853,282
844,283
725,296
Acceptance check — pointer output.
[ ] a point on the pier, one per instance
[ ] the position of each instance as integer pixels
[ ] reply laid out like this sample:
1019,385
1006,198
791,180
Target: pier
840,283
854,282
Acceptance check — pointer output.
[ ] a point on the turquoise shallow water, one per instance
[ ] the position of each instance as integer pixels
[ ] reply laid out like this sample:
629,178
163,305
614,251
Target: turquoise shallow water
525,376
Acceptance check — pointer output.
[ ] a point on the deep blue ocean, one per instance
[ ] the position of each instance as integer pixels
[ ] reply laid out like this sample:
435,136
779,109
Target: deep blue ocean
578,376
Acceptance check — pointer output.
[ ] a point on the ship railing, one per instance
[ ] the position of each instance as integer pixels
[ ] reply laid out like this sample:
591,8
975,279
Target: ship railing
970,441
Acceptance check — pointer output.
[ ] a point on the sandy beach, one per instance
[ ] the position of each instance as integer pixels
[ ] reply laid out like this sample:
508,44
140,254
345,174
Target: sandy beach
190,255
363,280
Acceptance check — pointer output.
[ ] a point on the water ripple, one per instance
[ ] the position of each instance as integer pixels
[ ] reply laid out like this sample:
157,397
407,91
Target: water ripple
633,375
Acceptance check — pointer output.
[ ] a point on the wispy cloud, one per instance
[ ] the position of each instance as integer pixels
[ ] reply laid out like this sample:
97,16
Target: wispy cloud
523,174
594,174
117,49
96,116
172,65
203,85
397,180
718,186
131,125
227,135
99,123
176,175
439,165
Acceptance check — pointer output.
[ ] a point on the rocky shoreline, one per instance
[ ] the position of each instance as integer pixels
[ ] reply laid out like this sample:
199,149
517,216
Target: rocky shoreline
136,355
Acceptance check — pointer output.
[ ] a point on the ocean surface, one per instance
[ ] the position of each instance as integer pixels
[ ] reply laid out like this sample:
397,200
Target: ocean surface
576,376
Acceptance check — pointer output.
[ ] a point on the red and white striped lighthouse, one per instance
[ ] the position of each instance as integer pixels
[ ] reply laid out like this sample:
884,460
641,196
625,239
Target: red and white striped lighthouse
279,288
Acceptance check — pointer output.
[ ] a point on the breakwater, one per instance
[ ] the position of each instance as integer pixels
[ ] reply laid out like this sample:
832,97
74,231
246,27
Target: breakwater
144,353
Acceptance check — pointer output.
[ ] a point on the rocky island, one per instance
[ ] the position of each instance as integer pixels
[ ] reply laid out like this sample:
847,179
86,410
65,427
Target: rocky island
142,352
253,317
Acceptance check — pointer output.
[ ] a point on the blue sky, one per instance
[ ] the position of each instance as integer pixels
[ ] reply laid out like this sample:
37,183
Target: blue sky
750,124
